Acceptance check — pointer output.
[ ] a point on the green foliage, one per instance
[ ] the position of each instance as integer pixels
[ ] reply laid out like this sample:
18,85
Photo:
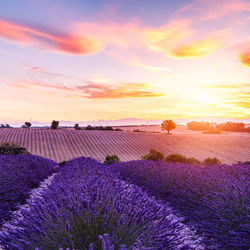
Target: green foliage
153,155
168,125
54,124
233,126
199,125
176,158
211,161
12,149
117,129
111,159
193,161
89,127
181,158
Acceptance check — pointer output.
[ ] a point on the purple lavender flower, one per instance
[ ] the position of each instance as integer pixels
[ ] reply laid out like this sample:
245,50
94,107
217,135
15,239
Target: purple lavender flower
115,208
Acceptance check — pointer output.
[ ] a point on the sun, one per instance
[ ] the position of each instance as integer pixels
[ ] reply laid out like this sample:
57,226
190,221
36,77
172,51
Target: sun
204,97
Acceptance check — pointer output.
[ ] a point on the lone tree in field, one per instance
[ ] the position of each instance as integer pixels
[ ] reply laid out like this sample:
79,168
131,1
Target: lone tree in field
76,127
27,124
54,124
168,125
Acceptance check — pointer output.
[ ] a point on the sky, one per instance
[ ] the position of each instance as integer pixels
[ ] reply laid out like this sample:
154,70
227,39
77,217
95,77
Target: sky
94,59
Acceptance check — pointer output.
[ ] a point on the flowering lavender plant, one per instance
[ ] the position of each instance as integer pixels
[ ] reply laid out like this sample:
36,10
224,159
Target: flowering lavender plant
86,200
214,199
18,175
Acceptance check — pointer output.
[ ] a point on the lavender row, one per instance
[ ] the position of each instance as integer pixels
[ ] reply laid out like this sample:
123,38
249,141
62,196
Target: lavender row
18,175
85,201
214,199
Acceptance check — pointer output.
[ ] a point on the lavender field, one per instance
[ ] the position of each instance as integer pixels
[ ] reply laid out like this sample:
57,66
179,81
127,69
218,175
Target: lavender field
129,205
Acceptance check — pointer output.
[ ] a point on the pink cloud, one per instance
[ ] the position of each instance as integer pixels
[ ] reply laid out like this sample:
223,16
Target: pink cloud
101,91
92,90
63,43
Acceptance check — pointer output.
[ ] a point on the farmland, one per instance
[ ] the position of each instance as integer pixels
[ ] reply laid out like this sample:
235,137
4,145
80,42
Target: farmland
66,144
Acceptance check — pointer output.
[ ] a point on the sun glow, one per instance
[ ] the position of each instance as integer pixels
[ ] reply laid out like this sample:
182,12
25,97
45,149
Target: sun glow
205,97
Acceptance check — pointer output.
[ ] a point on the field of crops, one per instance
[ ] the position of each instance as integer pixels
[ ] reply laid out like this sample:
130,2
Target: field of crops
66,144
133,205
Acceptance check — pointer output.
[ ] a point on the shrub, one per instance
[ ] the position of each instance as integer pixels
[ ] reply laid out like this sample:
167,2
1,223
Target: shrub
138,130
62,163
117,129
18,175
54,124
12,149
108,128
86,200
89,127
193,161
211,161
182,159
111,159
176,158
153,155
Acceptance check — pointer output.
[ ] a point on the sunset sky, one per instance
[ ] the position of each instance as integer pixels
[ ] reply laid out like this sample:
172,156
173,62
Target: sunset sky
94,59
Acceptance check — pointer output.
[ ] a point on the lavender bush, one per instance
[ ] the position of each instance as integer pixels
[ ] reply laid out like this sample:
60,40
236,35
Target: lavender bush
86,200
18,175
215,198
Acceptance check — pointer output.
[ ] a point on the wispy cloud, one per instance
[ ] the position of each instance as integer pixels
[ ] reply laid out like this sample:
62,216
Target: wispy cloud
163,38
200,48
32,84
53,41
241,99
227,86
147,67
100,91
94,90
207,10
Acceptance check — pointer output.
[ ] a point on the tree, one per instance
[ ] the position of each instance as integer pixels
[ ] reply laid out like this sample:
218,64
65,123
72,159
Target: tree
76,127
54,124
168,125
27,124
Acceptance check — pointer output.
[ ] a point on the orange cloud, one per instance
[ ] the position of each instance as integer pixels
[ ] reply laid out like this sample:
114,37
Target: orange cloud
60,43
201,47
245,59
92,90
99,91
